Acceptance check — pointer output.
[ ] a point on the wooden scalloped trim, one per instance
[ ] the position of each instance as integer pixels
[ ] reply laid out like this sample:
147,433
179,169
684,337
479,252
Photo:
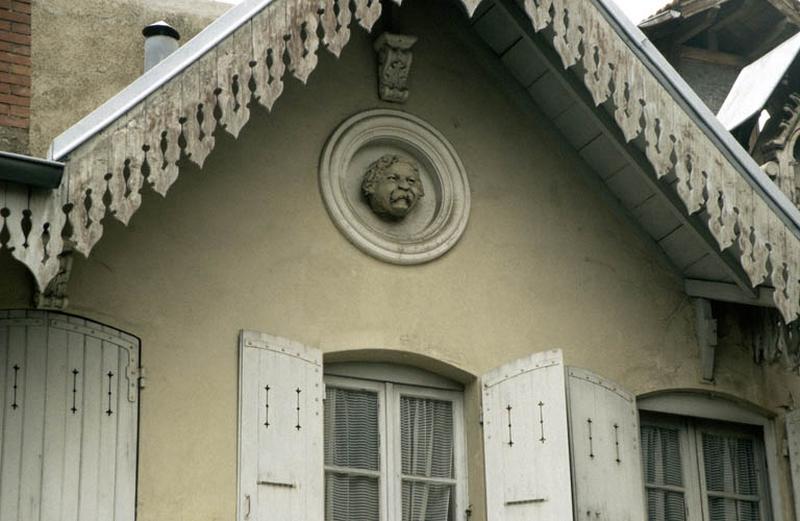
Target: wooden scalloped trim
180,118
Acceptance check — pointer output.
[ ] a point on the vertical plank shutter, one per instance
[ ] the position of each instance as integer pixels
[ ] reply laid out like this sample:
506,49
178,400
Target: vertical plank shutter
69,427
280,430
526,442
604,434
793,441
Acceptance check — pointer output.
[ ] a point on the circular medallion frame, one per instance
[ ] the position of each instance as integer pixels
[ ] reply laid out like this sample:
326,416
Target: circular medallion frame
441,215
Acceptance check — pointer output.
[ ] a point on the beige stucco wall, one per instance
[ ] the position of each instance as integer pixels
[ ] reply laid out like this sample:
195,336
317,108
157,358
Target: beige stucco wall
85,51
246,243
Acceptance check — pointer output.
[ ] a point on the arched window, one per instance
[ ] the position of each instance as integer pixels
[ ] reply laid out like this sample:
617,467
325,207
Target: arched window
394,444
346,441
704,458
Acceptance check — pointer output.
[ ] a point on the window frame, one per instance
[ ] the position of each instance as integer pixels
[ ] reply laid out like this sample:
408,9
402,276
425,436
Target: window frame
710,412
389,395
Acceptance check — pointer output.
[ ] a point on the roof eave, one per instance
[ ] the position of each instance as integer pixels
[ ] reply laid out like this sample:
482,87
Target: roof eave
154,78
685,96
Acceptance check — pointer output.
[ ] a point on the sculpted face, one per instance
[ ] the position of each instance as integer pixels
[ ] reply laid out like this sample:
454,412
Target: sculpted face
392,186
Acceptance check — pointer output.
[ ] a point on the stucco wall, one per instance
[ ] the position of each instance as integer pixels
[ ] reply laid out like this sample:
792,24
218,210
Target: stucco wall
85,51
246,243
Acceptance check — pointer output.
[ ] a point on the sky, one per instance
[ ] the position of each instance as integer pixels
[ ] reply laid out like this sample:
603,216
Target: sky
637,10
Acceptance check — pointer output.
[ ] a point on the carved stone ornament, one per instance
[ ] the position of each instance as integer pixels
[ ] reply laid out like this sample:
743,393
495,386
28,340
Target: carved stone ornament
394,187
394,65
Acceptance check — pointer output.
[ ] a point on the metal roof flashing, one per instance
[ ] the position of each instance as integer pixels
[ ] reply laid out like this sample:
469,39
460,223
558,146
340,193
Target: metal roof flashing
685,96
151,80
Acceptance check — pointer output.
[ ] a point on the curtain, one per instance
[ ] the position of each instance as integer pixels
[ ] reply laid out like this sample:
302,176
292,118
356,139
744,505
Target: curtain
426,432
352,441
661,459
730,468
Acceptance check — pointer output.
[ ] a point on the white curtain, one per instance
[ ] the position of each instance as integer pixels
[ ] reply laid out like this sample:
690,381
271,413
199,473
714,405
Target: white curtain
426,430
352,441
730,468
661,458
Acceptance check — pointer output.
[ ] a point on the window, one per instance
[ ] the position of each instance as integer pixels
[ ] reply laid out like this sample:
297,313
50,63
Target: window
706,470
392,452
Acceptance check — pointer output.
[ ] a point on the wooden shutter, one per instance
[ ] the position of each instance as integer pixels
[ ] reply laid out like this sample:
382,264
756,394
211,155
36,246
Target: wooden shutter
280,430
604,433
68,419
793,441
526,441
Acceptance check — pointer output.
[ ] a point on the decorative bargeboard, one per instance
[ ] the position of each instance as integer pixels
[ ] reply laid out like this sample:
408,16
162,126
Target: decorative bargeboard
104,174
426,204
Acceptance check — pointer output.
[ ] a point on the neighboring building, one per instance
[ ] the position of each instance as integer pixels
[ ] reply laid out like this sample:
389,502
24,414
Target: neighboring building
445,262
710,41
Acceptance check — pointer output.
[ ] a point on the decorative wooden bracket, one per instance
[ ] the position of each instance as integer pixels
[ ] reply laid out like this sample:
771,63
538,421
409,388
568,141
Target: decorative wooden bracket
706,327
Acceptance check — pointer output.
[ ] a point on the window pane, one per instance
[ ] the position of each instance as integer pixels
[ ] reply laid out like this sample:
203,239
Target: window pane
723,509
661,456
661,459
663,505
730,464
351,429
427,502
426,432
351,498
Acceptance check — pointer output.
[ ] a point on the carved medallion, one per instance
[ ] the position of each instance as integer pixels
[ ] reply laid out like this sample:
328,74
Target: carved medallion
395,187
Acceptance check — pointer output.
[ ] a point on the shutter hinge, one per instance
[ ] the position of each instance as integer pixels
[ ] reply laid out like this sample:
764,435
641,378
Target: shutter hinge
142,378
480,418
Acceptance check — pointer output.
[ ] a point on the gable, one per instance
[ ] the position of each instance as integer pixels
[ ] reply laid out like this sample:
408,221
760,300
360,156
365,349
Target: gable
141,131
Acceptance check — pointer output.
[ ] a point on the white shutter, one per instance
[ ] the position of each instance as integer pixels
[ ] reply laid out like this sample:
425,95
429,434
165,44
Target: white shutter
69,427
793,441
604,434
526,441
280,430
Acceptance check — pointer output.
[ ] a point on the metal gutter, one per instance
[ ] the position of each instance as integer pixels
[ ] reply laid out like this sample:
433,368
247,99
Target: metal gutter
151,80
708,123
30,171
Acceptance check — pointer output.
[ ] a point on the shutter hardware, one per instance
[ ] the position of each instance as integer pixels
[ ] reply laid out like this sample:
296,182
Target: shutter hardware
525,501
276,484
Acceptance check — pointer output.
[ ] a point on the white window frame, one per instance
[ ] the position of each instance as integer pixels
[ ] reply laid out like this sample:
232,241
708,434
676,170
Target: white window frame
705,408
389,394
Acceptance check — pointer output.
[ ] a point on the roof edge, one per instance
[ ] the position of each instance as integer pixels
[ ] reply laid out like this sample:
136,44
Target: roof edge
151,80
685,96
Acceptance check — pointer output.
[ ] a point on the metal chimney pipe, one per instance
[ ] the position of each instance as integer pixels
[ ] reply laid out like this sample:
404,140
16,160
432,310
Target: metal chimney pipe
160,40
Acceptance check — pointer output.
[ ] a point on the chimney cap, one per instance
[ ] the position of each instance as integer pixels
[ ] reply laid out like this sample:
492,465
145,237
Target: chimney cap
161,28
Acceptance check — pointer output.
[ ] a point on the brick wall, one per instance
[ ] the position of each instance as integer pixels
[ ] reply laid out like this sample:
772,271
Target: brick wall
15,73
